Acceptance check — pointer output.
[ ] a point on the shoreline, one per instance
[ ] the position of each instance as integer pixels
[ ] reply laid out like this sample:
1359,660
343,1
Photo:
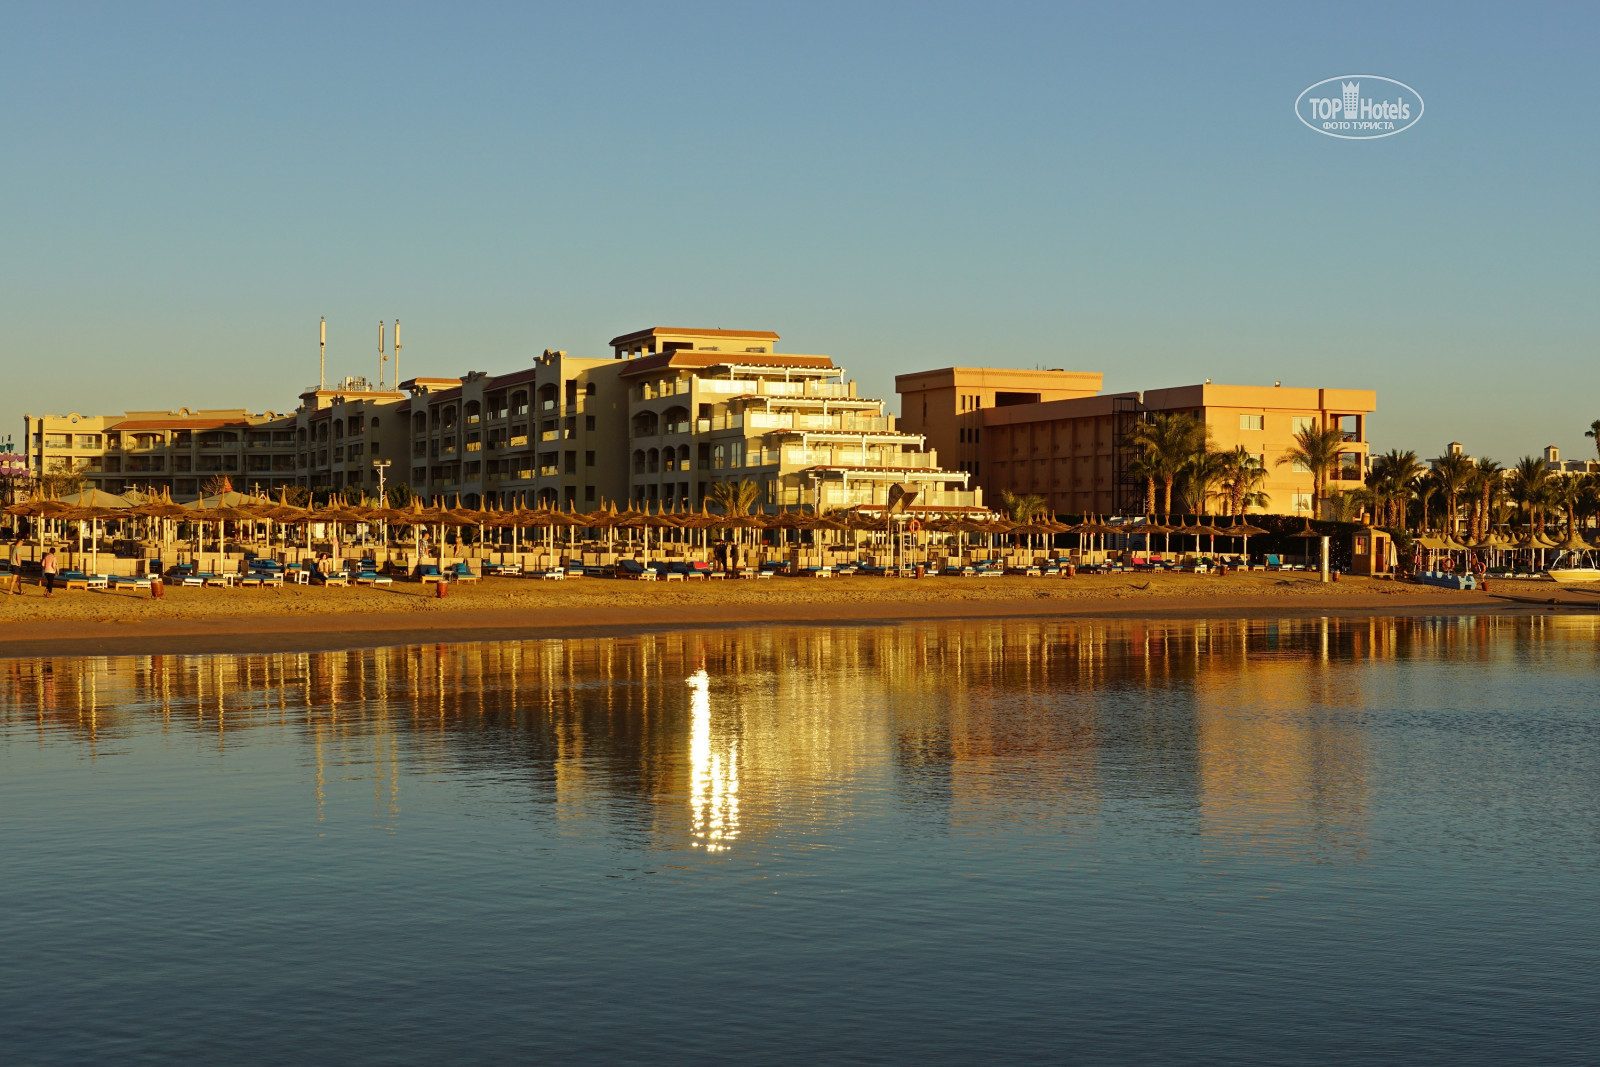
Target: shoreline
223,622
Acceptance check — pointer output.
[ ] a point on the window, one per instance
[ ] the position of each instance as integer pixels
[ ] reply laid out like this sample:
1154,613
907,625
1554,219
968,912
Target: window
588,459
588,422
1300,466
588,390
1302,423
570,461
1250,422
736,454
1302,502
588,490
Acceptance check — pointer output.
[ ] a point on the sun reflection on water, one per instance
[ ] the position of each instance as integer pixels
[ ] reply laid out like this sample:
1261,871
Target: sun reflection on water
713,776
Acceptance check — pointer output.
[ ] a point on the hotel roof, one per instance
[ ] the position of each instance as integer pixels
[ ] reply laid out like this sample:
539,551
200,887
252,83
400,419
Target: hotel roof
683,357
688,331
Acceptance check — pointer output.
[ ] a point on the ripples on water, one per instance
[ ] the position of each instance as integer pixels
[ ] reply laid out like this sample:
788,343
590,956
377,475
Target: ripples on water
1080,842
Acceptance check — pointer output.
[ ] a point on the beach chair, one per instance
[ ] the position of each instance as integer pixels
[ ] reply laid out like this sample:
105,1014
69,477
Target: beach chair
72,580
1274,563
429,572
366,573
815,572
549,574
461,573
697,570
633,569
118,581
774,566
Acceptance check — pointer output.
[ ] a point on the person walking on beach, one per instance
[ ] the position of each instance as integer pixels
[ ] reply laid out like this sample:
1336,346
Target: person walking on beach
48,567
14,577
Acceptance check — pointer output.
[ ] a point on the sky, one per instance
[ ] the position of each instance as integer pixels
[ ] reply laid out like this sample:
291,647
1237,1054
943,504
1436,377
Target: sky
186,190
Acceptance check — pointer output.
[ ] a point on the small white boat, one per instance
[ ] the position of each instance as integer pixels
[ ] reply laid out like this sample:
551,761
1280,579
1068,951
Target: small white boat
1574,568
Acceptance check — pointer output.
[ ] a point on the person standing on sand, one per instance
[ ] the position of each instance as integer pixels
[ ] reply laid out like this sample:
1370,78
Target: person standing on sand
14,578
47,566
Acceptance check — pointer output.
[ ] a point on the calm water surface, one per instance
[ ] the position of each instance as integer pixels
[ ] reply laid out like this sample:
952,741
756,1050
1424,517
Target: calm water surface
1241,842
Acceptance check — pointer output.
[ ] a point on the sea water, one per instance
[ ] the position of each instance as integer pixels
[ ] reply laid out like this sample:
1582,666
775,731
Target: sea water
1164,842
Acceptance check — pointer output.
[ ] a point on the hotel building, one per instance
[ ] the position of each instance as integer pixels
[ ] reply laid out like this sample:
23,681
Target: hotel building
667,415
1053,434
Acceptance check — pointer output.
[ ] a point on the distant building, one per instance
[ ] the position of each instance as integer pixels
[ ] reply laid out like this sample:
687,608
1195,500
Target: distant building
1053,434
669,414
1554,462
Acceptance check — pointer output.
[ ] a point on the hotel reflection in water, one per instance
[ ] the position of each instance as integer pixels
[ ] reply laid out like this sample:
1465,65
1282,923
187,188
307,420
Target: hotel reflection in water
717,739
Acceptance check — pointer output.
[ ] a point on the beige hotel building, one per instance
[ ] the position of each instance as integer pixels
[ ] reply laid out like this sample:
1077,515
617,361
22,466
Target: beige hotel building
666,415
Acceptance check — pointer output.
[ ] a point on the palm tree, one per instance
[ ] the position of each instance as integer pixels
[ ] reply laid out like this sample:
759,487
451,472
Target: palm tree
1567,493
1168,443
1489,484
1201,479
1315,450
1594,432
1394,471
1344,504
1454,473
1528,485
734,498
1023,509
1423,487
1243,478
1140,469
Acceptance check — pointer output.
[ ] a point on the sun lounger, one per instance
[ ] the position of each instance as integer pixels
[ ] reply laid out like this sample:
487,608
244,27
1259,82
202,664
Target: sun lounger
137,582
816,572
461,573
429,572
632,568
550,574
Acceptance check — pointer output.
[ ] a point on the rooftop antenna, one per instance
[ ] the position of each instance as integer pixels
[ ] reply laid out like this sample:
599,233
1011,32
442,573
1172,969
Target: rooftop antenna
322,366
397,354
382,358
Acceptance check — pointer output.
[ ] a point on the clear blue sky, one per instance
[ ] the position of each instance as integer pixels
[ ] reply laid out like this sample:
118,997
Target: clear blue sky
1111,187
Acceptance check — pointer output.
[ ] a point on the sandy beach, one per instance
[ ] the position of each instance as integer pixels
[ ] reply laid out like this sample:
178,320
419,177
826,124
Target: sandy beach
304,619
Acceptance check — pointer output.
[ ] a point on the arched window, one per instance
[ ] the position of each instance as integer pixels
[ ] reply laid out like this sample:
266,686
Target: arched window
419,422
374,422
547,398
300,436
638,461
676,420
519,402
449,416
646,424
719,457
653,460
472,411
322,431
683,457
338,429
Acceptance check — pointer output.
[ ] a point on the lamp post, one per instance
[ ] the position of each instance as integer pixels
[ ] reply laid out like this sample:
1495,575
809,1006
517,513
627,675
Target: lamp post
381,466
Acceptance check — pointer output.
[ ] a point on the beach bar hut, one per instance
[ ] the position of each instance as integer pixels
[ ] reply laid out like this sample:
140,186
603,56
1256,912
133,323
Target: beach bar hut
1371,552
